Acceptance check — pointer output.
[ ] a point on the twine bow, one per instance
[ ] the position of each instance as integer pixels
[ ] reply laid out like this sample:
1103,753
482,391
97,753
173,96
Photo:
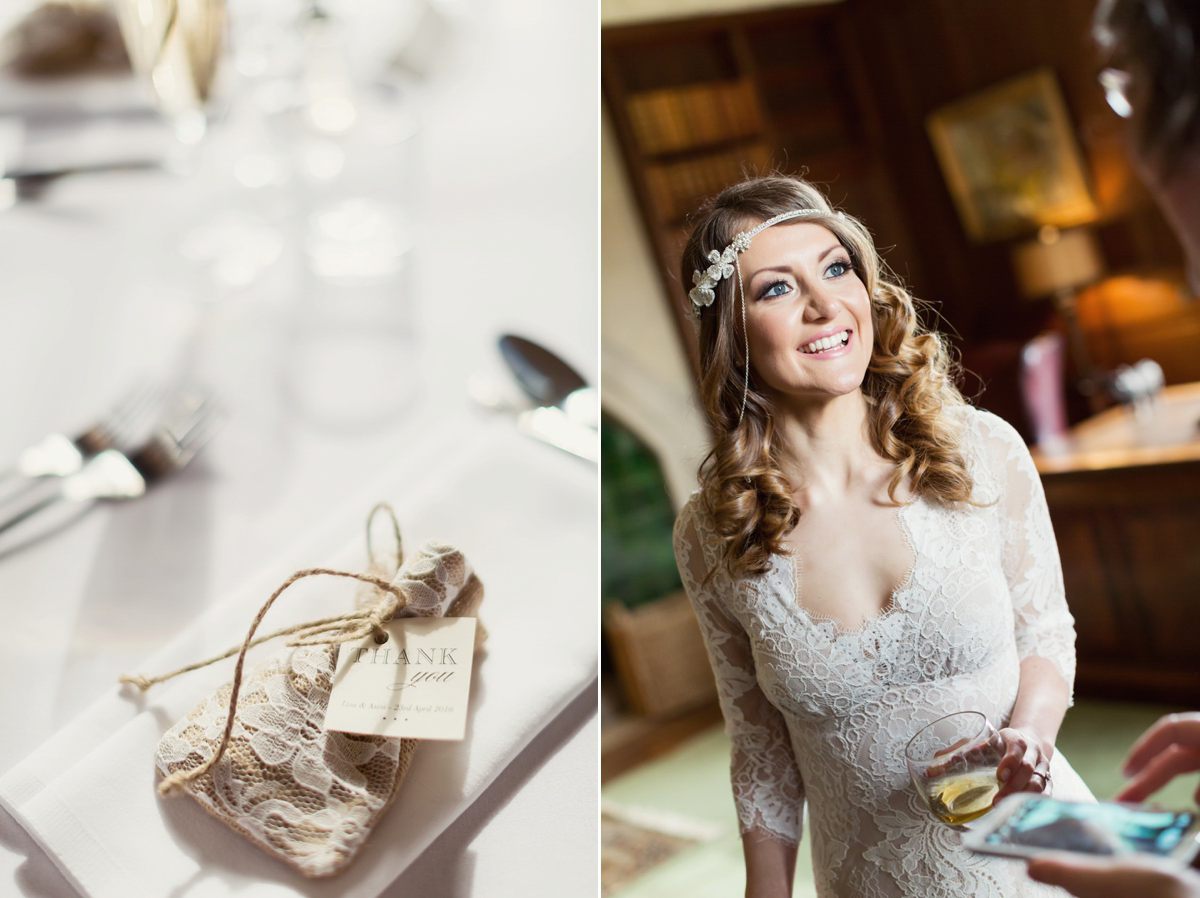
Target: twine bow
388,601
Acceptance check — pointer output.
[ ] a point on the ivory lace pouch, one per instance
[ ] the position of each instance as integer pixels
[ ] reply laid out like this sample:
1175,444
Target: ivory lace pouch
304,795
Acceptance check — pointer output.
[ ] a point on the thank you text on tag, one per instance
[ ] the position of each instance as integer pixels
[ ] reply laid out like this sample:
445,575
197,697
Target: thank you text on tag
414,685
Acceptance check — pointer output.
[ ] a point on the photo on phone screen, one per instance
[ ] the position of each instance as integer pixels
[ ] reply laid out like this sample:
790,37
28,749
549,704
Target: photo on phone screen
1043,824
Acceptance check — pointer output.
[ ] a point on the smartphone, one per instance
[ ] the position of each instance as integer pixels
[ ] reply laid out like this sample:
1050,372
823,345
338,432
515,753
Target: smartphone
1026,825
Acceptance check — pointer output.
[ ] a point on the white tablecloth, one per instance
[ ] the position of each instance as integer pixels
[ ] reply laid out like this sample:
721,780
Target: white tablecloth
503,206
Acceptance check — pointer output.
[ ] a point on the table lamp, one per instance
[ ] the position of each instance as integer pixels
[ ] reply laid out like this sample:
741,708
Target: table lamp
1057,264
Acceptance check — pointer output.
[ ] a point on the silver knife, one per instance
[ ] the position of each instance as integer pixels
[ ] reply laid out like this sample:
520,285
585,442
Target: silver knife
552,425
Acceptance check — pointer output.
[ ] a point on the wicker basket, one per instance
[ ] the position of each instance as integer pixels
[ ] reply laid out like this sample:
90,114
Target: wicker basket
660,656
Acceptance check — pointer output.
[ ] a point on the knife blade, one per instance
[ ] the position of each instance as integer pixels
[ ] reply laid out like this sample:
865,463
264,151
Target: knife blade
552,425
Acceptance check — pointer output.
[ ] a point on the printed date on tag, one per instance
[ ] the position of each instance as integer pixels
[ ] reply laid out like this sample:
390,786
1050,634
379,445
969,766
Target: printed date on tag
414,685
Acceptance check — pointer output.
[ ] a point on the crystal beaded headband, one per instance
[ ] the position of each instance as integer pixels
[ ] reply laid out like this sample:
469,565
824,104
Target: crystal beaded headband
723,263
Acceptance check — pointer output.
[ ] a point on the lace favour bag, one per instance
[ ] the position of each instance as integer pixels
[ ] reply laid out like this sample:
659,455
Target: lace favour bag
255,754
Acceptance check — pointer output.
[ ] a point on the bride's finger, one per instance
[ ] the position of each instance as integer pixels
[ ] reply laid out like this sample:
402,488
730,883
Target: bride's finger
1016,777
1034,768
1015,748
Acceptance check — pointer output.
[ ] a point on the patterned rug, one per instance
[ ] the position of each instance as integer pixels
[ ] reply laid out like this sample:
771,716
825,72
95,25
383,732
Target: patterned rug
634,841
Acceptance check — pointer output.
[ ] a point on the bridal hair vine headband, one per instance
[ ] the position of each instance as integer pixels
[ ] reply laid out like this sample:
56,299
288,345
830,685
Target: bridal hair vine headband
724,265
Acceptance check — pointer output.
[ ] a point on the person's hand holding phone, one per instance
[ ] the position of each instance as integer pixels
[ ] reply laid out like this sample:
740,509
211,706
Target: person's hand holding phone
1107,878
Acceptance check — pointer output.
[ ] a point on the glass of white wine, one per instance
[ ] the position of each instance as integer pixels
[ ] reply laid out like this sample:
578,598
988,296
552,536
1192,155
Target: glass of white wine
953,765
174,46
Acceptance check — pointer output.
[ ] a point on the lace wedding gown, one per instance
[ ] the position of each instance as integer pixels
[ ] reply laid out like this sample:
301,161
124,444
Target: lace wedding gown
820,714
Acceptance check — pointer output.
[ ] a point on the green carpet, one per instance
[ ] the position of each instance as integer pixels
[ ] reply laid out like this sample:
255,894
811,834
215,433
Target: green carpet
693,781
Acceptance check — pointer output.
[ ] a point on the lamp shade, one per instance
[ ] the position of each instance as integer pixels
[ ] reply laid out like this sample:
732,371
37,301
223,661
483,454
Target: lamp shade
1057,261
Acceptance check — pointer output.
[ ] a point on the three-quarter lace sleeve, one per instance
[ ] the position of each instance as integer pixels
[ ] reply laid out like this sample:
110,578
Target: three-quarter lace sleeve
1044,626
767,788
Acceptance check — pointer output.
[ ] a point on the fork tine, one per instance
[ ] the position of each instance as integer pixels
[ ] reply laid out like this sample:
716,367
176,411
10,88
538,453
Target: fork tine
129,420
137,417
183,431
207,420
142,400
196,420
197,439
190,410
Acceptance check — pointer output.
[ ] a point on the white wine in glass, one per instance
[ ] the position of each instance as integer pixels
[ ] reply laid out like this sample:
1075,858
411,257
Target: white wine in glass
174,46
953,764
961,797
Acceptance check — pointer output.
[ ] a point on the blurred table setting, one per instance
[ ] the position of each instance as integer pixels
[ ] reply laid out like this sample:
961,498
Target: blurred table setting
300,273
1163,430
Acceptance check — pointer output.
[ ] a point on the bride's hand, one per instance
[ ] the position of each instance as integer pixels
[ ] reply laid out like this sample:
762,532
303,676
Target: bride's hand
1025,766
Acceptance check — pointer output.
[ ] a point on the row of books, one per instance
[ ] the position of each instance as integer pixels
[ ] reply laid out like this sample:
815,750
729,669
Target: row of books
678,188
681,118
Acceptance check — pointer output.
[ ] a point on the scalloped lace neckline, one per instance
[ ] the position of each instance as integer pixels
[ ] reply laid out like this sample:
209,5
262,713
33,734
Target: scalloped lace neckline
896,599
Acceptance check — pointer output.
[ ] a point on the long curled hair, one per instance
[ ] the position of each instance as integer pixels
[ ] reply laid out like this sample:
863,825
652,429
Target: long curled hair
907,386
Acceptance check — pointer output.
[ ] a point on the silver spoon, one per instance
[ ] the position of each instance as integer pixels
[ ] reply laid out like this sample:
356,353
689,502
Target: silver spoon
549,380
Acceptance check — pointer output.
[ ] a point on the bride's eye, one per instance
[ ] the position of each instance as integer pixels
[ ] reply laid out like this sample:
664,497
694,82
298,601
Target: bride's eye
775,288
838,268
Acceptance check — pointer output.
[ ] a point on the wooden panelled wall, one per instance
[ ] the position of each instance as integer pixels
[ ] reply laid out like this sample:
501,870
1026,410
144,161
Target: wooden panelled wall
842,92
922,54
1128,541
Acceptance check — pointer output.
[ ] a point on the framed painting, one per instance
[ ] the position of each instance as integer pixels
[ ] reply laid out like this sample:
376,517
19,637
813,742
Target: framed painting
1011,160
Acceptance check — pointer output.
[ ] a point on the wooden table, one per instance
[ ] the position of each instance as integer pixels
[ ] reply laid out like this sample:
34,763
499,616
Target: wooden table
1124,496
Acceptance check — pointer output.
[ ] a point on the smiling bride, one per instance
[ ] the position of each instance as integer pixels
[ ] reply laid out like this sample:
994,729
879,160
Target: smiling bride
866,553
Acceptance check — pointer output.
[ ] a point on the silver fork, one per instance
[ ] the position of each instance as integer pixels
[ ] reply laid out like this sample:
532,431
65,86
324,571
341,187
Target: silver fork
112,474
57,455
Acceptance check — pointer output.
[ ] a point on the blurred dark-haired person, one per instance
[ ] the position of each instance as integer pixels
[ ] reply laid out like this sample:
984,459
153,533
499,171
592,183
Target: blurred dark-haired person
1151,52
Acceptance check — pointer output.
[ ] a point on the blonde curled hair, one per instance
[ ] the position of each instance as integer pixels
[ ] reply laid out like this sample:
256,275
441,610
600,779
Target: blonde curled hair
907,386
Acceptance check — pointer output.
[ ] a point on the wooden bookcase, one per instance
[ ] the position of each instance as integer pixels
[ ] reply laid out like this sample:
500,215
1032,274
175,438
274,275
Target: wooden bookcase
700,104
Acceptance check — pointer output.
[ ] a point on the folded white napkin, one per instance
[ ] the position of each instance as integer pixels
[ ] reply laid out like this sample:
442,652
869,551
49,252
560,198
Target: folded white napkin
78,122
525,516
74,97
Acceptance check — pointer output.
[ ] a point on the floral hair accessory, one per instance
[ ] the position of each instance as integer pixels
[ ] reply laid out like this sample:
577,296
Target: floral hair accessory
724,262
722,267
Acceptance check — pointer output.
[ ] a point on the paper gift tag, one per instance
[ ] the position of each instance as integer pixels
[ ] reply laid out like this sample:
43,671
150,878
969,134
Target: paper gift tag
413,685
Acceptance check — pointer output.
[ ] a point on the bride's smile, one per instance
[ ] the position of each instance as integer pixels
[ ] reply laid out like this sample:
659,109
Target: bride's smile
808,315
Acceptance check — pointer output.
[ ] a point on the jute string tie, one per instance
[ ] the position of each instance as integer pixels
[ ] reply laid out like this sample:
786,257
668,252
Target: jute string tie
389,600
